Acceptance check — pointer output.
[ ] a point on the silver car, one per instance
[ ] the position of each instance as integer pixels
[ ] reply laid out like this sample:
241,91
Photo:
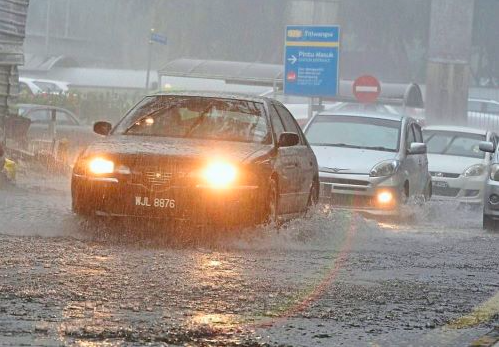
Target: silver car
491,190
369,162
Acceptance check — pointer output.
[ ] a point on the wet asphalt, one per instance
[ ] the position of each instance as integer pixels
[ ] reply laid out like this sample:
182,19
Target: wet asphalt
332,279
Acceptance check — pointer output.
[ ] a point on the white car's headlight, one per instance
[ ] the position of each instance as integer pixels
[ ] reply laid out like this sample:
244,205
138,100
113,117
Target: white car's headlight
474,170
101,166
220,174
385,168
494,172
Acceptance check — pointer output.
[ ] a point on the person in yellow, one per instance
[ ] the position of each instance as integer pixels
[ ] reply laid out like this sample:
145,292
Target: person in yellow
7,167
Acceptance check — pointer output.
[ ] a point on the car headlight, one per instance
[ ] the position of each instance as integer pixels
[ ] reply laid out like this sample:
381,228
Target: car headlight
220,174
494,172
385,168
101,166
474,170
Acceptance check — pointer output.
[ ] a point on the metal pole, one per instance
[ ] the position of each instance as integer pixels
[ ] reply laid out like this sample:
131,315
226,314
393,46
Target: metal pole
149,59
47,28
53,131
310,108
68,12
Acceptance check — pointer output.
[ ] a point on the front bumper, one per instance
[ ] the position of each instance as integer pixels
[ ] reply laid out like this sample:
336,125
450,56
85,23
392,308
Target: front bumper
112,197
461,189
489,208
359,192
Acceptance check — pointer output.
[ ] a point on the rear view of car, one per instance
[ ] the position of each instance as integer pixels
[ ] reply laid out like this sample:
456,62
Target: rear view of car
457,165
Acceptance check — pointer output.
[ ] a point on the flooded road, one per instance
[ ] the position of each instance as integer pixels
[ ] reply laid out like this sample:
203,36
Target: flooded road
333,279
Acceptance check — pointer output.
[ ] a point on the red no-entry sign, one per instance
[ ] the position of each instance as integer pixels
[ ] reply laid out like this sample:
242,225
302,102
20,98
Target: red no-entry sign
366,89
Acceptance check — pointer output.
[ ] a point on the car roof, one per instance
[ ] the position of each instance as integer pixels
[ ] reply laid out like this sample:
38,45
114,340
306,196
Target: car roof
221,95
457,129
378,115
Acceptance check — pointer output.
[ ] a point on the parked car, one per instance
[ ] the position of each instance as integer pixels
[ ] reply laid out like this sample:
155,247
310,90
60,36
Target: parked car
457,166
369,162
202,157
491,189
32,86
67,125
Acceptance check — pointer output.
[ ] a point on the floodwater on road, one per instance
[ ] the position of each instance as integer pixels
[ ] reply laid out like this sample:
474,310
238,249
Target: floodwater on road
334,278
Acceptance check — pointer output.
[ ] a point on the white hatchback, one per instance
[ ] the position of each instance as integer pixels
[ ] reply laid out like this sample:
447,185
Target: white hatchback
456,164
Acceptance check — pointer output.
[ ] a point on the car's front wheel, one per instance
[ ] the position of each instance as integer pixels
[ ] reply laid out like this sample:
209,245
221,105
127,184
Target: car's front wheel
272,217
489,223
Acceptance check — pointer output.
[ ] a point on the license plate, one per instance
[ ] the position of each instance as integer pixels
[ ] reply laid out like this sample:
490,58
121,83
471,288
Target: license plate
440,184
162,203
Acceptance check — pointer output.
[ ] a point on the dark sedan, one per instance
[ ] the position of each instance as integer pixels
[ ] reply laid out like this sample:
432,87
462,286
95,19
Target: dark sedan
198,157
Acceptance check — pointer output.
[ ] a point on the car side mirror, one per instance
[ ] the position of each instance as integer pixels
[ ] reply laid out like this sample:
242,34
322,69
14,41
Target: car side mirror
288,140
103,128
486,146
417,148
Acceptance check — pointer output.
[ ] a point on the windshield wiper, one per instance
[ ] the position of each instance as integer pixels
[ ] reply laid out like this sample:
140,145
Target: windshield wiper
336,145
379,148
200,120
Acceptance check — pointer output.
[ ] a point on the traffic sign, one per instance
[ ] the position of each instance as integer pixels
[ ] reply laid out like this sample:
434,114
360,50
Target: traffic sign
366,89
311,60
158,38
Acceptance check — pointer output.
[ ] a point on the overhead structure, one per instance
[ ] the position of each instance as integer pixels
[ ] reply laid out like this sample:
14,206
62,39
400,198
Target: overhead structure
271,75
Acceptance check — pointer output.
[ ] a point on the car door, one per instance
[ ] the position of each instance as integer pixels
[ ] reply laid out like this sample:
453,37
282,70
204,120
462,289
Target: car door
412,161
286,166
67,127
422,159
303,161
39,128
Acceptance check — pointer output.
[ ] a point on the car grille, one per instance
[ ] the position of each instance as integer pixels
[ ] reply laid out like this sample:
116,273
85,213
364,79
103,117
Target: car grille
444,174
445,191
352,201
157,177
344,181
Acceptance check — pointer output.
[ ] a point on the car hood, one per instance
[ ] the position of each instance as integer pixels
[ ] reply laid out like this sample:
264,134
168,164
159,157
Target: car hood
145,146
450,163
350,160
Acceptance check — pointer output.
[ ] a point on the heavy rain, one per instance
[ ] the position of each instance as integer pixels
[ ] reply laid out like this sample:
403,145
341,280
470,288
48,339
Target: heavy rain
249,173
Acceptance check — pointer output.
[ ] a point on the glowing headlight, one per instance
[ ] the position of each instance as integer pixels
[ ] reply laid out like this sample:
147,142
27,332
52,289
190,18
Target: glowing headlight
385,168
220,174
475,170
494,172
385,197
100,166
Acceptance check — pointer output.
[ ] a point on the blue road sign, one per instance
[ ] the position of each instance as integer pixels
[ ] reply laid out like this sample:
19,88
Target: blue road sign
312,60
158,38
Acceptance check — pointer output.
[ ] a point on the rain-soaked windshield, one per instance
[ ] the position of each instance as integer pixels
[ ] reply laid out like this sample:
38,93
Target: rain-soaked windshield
197,117
454,143
354,132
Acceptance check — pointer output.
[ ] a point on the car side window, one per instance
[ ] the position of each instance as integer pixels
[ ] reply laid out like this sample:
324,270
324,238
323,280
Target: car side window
62,118
474,106
289,122
38,116
418,133
276,122
492,108
409,138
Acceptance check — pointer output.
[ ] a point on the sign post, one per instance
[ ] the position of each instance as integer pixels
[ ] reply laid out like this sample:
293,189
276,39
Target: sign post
154,38
312,61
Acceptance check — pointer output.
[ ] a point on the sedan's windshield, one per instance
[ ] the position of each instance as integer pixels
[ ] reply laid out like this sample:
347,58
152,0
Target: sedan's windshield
355,132
454,143
197,117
